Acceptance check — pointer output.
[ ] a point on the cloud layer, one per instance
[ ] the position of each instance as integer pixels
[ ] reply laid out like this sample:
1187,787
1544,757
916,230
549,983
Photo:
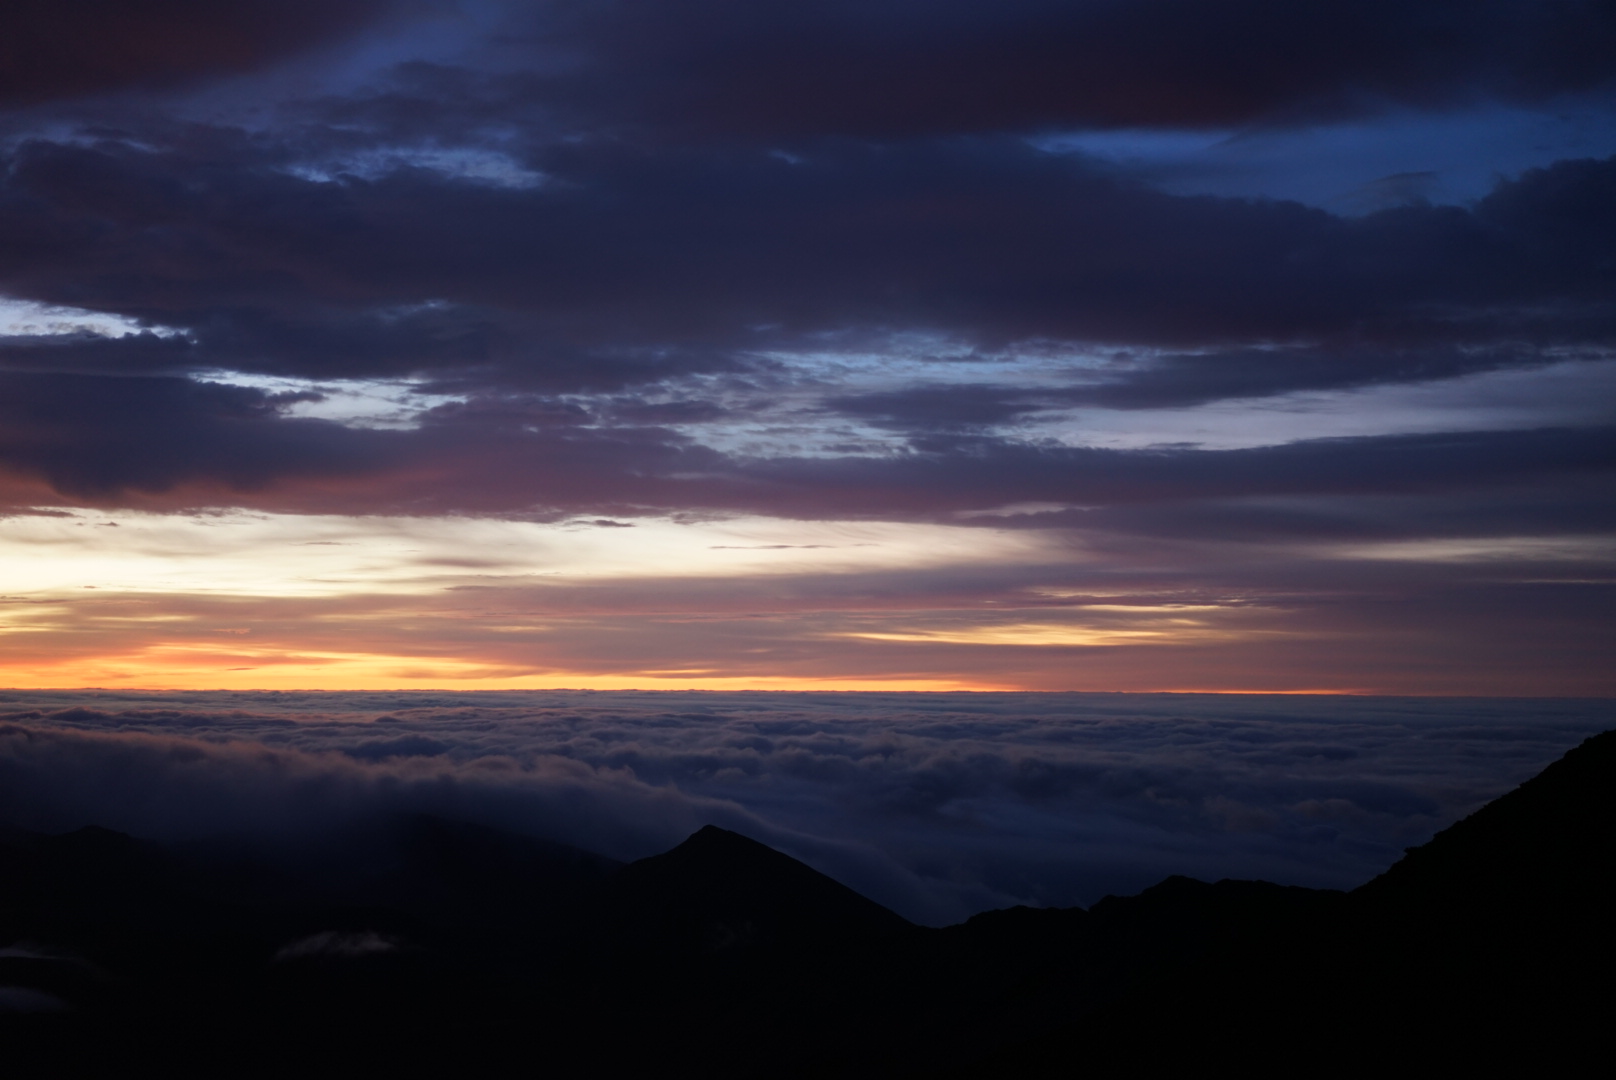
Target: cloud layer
936,804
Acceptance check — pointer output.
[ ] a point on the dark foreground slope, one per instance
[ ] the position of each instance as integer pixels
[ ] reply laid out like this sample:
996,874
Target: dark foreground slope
417,945
1490,948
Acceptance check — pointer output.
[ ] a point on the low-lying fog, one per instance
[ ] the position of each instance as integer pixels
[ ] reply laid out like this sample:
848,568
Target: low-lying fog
937,805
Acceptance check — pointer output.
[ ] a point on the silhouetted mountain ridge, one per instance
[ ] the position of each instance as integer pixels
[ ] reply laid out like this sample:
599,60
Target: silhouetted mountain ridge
414,940
719,891
1487,948
1554,836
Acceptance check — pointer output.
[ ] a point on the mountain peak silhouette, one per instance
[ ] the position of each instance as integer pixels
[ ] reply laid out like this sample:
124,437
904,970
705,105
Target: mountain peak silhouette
719,891
1488,947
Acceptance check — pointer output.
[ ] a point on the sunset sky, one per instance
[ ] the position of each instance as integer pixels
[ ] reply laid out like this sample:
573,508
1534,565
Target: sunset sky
844,344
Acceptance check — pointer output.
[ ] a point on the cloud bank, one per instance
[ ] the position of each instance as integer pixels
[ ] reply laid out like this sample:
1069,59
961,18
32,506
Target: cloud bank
938,805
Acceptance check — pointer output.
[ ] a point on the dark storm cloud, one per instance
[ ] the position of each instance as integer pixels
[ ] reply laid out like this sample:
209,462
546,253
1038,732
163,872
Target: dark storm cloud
634,266
65,48
961,471
667,412
102,438
96,436
1574,505
1176,380
942,408
90,353
941,804
315,341
1182,379
106,438
897,68
531,233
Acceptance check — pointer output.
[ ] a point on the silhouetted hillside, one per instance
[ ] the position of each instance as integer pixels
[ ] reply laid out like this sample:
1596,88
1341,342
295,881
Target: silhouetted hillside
416,943
719,892
1489,947
1548,843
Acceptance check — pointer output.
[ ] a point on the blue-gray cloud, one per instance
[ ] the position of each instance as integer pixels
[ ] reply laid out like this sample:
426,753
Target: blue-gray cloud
337,237
731,69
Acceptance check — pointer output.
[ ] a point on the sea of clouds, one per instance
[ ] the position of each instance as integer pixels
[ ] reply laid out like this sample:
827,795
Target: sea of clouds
937,805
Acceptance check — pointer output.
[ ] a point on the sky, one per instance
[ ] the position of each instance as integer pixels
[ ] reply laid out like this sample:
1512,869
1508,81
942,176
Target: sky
1161,345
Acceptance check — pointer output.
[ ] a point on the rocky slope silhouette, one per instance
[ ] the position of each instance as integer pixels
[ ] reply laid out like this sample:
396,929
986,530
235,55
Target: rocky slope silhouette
417,944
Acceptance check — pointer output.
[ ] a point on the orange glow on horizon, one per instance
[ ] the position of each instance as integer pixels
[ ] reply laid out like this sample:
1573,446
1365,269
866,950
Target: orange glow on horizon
239,601
184,670
168,669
